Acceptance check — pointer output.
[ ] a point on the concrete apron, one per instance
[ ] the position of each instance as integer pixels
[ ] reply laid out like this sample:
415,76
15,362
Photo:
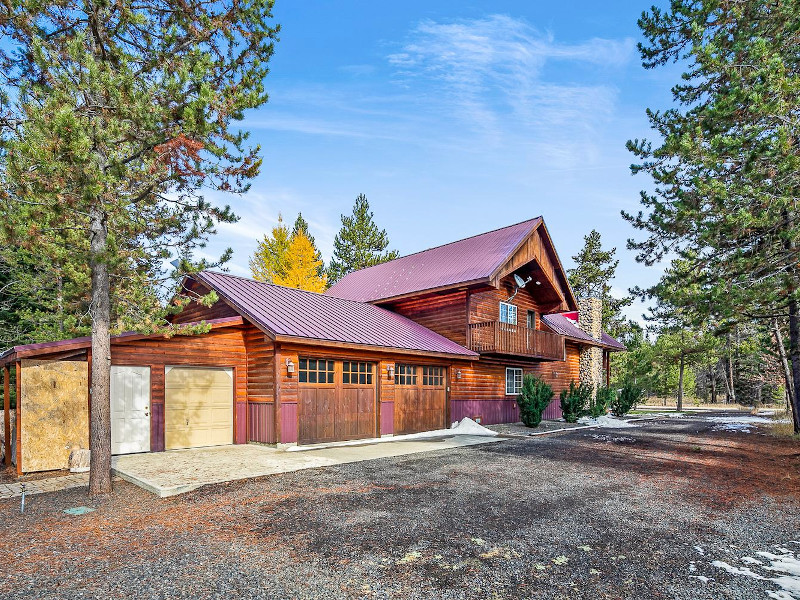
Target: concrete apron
179,471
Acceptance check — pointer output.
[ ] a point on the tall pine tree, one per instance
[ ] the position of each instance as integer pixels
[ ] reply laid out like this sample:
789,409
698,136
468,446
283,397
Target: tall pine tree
115,116
727,163
594,271
359,243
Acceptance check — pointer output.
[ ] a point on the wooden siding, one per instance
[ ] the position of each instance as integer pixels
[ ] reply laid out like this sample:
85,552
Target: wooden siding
218,348
260,370
480,391
444,313
484,303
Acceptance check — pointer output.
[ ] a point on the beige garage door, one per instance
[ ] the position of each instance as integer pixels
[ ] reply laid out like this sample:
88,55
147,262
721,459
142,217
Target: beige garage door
198,407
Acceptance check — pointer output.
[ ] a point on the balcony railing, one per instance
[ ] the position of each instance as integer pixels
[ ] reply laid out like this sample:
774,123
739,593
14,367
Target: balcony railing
494,337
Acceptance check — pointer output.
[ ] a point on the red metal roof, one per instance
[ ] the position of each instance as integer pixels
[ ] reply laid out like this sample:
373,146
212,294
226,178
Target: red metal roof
298,313
43,348
469,260
566,324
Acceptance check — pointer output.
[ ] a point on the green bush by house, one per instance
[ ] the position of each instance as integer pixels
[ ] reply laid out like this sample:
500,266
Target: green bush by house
533,399
626,399
575,401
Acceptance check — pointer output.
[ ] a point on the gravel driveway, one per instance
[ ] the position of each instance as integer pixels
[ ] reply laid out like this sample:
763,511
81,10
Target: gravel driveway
603,513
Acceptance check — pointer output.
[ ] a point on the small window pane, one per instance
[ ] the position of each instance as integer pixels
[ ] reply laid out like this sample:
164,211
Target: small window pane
303,376
312,377
303,364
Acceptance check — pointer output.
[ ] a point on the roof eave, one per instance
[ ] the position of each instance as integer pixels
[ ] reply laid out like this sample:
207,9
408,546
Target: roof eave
307,341
434,290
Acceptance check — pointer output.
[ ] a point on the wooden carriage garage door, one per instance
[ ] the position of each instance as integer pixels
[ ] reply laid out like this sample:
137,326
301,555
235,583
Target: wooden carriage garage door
198,407
420,398
337,400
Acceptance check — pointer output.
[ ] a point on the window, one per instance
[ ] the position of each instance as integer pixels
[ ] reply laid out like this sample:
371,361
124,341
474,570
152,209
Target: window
508,313
513,381
433,376
357,373
312,370
405,375
531,319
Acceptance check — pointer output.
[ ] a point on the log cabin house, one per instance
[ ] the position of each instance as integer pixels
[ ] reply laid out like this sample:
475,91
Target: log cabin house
405,346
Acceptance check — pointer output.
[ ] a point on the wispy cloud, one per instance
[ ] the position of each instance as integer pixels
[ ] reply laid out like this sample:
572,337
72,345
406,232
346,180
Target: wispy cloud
491,72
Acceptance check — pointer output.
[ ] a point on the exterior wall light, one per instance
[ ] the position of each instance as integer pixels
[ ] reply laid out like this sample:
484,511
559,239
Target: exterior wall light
458,374
390,371
289,367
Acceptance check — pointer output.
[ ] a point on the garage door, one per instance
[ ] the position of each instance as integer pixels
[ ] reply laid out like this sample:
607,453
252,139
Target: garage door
420,398
198,407
337,400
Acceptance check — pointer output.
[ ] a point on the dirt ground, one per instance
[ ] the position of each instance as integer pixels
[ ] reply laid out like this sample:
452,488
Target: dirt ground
602,513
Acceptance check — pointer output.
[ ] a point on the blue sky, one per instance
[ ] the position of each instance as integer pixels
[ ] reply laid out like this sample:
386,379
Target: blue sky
453,118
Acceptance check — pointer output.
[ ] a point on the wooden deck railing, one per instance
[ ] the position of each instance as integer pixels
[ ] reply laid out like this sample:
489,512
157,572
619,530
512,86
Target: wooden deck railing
494,337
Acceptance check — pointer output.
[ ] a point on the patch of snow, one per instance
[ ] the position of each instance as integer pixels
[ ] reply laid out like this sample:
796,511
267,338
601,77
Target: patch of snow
692,567
748,419
700,550
702,578
721,564
743,427
787,565
665,415
779,595
608,438
466,427
606,421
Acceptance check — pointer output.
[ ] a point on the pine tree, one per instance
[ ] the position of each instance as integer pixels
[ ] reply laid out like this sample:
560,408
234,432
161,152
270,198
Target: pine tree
302,266
727,167
359,243
115,116
591,278
300,224
269,261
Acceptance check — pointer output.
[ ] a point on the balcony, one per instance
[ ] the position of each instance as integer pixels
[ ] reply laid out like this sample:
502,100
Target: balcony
494,337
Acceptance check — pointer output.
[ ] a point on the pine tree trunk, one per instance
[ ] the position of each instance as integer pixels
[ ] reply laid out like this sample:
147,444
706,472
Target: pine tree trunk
713,378
100,414
787,373
794,354
729,373
679,407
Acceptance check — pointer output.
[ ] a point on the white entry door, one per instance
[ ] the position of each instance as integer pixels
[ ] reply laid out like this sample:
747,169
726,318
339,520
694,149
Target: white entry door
130,410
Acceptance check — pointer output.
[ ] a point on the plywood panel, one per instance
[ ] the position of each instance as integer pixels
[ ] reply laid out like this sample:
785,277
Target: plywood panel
54,413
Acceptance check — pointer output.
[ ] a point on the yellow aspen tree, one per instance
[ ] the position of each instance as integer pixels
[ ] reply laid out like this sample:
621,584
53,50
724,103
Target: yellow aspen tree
302,266
268,262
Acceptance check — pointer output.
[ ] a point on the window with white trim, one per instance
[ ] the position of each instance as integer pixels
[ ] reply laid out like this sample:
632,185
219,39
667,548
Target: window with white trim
513,381
508,313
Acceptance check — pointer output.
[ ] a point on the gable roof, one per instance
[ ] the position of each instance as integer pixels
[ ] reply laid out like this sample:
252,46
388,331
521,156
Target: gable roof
561,324
293,313
470,260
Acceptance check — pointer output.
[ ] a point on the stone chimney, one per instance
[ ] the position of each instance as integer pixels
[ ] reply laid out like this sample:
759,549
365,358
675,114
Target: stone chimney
590,319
